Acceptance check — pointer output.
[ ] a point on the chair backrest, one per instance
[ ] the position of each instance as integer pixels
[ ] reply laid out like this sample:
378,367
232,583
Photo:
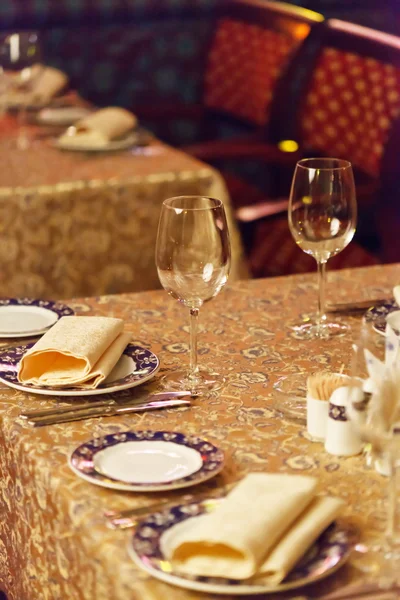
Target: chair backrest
350,97
252,44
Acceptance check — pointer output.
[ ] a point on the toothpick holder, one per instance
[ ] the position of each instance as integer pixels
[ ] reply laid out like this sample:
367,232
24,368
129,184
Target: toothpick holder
317,418
341,437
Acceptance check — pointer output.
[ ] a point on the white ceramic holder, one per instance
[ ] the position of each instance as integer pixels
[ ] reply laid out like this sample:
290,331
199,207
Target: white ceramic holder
342,438
317,418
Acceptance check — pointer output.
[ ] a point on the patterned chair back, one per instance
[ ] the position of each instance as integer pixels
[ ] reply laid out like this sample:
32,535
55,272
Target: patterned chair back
249,52
352,95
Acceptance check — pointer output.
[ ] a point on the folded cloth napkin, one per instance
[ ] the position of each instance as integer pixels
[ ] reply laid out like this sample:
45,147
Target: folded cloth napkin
43,84
396,294
75,351
99,128
261,529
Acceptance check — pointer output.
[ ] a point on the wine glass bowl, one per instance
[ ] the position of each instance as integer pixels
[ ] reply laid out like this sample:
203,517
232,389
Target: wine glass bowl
20,68
322,218
193,261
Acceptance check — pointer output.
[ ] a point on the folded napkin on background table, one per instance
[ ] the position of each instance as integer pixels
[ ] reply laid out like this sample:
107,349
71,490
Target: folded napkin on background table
75,351
43,84
261,529
396,294
99,128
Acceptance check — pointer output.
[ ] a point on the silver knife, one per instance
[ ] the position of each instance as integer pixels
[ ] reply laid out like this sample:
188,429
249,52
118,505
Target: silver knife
107,411
61,410
361,305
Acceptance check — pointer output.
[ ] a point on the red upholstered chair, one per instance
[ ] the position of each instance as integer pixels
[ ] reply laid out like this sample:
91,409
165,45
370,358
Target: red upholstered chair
253,42
249,49
347,106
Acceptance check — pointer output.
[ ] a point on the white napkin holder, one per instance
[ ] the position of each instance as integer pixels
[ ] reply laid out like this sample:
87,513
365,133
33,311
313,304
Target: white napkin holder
342,438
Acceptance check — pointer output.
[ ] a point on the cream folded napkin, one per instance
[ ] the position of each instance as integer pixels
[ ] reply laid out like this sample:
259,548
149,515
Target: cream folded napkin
75,351
396,294
43,84
261,529
99,129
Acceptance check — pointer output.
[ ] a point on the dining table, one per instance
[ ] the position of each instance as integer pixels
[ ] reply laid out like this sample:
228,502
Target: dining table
81,223
54,543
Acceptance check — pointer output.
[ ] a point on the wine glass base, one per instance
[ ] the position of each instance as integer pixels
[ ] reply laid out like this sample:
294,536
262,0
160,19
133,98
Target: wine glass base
205,381
310,330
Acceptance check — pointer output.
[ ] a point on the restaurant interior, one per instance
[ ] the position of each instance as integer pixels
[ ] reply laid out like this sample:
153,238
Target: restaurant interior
158,157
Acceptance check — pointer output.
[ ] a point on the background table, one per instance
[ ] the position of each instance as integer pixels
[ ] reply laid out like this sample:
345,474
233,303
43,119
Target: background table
53,543
84,224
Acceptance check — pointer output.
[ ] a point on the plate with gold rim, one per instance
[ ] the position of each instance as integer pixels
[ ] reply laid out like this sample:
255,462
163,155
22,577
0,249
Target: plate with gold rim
326,555
147,461
29,317
377,315
135,366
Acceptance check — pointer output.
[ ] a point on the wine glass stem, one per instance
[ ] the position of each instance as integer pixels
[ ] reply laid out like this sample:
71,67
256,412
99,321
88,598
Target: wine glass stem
194,317
22,136
321,315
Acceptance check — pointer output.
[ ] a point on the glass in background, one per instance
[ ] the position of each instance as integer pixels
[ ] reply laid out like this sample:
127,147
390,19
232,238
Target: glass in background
322,219
193,260
20,64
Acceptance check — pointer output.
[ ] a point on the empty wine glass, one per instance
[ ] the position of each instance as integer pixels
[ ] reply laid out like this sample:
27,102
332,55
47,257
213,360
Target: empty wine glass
374,411
193,262
322,219
20,55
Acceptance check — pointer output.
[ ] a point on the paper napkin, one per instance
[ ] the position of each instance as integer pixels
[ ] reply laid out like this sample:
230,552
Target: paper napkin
75,351
99,128
261,529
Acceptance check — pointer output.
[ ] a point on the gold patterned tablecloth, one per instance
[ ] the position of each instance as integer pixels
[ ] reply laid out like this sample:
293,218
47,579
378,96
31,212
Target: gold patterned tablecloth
53,543
82,224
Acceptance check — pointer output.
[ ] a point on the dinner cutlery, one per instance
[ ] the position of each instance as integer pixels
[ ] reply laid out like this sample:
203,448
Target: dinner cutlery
106,411
72,408
359,306
125,519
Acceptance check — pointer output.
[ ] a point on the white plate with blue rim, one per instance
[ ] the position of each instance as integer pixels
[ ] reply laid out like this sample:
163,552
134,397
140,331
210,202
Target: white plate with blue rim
27,317
147,461
379,314
328,553
135,366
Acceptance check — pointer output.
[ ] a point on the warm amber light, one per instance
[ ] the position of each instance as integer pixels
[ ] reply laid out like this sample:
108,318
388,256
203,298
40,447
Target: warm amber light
301,31
288,146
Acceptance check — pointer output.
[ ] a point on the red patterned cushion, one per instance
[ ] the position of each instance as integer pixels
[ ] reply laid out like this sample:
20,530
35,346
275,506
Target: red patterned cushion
244,63
275,252
350,106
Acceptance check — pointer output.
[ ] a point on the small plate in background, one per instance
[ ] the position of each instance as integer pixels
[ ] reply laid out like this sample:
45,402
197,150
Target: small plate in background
25,317
137,137
67,115
377,316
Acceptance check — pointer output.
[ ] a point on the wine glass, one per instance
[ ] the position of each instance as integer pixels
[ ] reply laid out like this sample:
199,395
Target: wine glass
193,262
20,55
374,410
322,219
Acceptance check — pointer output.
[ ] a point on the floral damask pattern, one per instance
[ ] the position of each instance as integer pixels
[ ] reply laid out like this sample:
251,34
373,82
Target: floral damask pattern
53,542
86,225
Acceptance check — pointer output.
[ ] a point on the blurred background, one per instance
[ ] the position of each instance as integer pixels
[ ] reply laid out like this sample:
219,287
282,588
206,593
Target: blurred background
248,87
